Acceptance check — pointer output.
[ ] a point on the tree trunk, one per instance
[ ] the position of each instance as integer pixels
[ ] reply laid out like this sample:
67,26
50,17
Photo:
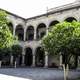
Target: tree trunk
66,71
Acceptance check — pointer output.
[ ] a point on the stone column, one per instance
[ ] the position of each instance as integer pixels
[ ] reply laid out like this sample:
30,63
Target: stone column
33,60
60,60
14,28
23,57
46,59
24,34
34,34
47,31
11,60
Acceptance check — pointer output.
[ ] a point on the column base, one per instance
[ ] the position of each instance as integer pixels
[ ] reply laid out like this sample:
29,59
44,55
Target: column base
22,65
45,66
60,67
33,66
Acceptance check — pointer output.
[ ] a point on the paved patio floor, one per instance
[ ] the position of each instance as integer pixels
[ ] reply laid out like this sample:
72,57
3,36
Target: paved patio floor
35,74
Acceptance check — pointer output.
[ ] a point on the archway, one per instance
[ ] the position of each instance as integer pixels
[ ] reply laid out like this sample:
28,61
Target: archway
20,32
70,19
40,55
30,33
28,57
53,23
41,30
10,25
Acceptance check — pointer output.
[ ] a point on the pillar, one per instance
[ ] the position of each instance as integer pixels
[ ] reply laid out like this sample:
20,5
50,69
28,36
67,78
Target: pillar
60,60
23,57
46,59
24,34
14,28
34,34
11,60
33,61
47,31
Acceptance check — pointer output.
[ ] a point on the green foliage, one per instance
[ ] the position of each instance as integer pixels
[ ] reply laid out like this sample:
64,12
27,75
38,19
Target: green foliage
6,37
63,38
3,17
16,50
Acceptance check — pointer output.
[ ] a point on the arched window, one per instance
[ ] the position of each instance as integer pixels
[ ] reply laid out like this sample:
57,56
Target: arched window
20,32
53,23
70,19
41,30
28,57
30,33
40,55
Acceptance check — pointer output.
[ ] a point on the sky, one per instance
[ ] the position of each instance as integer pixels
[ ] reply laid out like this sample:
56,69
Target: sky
31,8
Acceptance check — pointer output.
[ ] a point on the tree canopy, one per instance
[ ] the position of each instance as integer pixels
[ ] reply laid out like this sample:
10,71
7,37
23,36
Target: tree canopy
6,37
63,38
16,50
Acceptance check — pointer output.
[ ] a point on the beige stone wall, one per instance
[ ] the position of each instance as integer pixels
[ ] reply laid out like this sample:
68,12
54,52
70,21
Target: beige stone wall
59,16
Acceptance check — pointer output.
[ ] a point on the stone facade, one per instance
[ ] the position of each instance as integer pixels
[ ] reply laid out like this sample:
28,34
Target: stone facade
30,31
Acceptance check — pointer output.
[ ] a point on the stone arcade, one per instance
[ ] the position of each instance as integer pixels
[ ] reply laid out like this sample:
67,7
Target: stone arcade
30,31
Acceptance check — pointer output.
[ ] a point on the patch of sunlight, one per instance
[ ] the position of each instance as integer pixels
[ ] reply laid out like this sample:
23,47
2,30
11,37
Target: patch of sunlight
4,77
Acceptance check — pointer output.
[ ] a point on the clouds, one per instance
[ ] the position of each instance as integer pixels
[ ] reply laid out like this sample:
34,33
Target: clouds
29,8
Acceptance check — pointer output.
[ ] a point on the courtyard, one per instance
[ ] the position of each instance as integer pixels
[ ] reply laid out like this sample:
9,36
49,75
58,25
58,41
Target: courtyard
35,74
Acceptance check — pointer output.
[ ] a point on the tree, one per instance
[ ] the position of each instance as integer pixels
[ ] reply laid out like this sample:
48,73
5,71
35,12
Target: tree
16,52
6,37
64,38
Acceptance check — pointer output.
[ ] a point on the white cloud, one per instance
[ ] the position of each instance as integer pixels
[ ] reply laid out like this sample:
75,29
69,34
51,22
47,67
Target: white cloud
29,8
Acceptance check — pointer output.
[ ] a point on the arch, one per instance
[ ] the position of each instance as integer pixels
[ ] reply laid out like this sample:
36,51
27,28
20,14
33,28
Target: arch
70,19
41,30
10,25
28,56
39,60
53,23
30,33
20,32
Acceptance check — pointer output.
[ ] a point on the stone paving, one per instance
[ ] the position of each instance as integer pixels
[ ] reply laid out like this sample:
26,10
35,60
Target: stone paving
38,73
